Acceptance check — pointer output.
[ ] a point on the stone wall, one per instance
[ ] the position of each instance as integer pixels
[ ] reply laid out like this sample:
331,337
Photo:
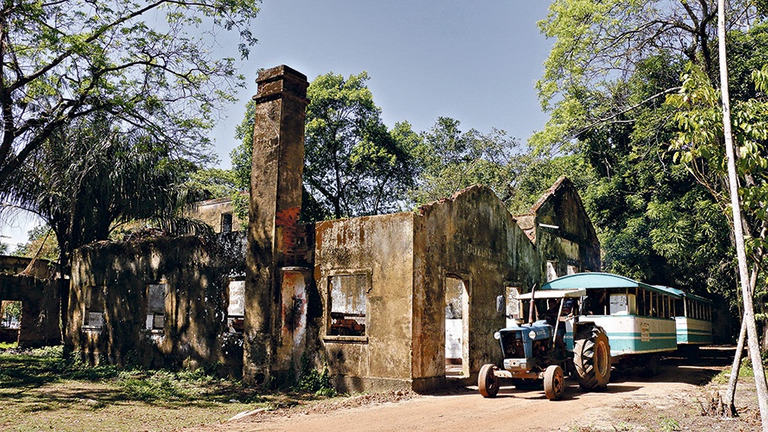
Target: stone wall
373,256
565,238
471,237
218,213
33,283
160,302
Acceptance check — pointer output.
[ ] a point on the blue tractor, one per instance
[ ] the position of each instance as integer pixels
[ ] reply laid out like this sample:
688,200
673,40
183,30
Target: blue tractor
539,352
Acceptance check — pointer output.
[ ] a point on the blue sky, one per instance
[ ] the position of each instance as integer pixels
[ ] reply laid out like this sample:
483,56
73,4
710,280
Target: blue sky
476,61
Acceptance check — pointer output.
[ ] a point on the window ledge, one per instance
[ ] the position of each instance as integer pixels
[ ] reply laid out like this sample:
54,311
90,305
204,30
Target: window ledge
155,332
345,339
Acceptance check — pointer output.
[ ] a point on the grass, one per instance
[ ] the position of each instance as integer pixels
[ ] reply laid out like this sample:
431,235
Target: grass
7,345
745,371
40,389
668,424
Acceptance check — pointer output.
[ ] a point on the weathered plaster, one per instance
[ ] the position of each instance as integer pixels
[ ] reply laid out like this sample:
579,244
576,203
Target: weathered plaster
196,270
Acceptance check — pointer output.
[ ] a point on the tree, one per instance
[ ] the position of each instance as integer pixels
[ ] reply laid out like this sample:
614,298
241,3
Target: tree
90,176
738,230
605,83
699,146
41,243
600,45
352,164
450,160
63,60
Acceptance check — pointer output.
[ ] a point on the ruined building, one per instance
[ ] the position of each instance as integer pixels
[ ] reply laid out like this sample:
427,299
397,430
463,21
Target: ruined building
33,284
407,300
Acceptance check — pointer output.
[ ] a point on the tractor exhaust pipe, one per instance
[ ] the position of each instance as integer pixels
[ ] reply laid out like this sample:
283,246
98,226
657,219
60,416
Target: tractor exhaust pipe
532,306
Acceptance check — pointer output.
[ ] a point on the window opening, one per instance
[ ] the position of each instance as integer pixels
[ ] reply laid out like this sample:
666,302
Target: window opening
226,222
156,294
513,305
551,270
236,308
94,308
11,314
349,295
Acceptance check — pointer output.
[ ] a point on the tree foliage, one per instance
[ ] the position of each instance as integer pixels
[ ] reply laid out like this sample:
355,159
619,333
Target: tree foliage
41,243
90,177
699,146
599,46
353,164
451,160
147,64
605,82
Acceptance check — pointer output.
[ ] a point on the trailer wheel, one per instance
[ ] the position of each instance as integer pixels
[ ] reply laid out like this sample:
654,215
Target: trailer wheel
487,382
554,382
592,359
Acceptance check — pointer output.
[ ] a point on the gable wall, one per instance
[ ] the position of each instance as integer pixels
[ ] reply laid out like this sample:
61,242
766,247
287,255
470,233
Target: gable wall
474,237
381,247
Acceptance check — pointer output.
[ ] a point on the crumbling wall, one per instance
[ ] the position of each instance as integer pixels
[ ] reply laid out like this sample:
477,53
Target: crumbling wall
365,264
472,237
160,302
39,309
565,237
33,283
213,212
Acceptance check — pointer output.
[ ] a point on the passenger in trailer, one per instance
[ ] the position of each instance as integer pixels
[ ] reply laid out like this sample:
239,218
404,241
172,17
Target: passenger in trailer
594,303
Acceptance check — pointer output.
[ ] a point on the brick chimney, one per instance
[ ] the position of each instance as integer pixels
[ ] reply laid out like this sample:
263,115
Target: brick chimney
275,204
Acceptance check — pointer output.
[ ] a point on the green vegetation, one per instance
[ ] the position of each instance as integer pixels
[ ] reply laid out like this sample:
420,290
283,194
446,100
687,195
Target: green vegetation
745,371
41,389
668,424
313,381
147,65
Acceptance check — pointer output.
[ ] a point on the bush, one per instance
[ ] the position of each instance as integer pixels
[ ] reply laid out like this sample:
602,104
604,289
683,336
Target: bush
312,381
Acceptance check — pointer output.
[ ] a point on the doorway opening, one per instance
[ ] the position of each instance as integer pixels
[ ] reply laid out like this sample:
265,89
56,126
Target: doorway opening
456,328
10,321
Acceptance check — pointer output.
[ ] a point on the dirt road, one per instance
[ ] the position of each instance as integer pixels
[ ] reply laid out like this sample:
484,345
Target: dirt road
669,397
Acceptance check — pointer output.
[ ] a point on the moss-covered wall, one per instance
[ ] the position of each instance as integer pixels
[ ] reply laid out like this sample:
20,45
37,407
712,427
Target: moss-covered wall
564,234
473,237
379,250
196,270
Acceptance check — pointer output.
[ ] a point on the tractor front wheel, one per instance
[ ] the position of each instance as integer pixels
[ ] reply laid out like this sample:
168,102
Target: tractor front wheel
487,381
592,359
554,382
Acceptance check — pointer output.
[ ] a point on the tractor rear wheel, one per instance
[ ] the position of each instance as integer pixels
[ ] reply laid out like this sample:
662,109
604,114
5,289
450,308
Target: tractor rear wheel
592,359
487,381
554,382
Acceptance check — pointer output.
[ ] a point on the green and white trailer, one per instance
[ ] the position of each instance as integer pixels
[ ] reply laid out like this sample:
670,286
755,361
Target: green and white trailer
638,318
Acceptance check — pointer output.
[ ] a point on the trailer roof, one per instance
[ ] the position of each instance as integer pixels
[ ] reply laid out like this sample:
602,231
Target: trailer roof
688,295
553,293
603,281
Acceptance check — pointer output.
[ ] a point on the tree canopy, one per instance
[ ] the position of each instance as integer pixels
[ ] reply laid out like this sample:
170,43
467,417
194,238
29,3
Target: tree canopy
90,176
353,164
147,64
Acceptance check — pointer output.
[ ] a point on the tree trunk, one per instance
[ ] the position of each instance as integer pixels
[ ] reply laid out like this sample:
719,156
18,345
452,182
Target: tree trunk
730,395
749,310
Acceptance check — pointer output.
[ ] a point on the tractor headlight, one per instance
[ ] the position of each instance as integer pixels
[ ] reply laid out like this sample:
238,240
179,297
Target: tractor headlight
532,334
497,335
